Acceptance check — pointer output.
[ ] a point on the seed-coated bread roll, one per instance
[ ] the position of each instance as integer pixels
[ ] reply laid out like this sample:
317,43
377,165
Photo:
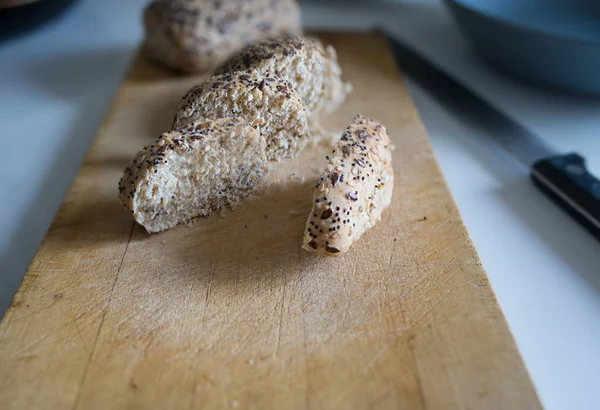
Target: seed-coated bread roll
269,103
313,70
193,172
197,35
353,191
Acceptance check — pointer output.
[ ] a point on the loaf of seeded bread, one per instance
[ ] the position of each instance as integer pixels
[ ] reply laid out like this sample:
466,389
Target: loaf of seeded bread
197,35
193,172
312,69
353,191
268,102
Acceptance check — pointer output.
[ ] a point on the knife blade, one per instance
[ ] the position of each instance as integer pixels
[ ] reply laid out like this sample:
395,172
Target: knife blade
564,178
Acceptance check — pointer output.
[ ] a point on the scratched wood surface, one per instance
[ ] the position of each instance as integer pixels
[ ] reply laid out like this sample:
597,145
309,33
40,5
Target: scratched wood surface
231,313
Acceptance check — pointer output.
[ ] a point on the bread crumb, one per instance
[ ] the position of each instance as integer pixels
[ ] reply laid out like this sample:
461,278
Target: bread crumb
293,175
322,137
472,284
234,404
251,362
236,205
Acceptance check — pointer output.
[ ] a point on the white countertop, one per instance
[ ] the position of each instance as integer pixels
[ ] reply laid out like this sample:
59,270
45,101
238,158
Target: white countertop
57,82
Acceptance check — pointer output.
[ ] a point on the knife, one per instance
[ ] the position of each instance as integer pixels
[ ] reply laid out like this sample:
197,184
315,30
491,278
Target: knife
562,177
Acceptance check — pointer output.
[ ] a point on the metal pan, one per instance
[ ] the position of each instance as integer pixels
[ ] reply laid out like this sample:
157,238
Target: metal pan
554,42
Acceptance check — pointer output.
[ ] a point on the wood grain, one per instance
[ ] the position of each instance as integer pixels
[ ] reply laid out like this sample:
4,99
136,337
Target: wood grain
231,313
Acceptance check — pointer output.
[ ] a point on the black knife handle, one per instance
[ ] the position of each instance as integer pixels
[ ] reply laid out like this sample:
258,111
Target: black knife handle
567,181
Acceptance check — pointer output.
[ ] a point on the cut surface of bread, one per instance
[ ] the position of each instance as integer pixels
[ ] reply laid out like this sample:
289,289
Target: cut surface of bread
193,172
197,35
311,69
353,191
335,89
266,101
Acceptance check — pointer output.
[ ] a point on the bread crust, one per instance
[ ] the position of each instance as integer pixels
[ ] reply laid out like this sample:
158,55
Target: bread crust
197,35
354,190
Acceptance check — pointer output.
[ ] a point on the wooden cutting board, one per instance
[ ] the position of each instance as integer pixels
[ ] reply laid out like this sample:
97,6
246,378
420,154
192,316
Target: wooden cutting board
230,312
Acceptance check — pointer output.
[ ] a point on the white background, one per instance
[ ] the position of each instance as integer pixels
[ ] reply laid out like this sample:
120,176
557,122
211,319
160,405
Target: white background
57,83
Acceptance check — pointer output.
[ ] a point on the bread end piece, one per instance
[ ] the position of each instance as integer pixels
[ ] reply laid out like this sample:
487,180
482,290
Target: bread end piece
193,172
354,190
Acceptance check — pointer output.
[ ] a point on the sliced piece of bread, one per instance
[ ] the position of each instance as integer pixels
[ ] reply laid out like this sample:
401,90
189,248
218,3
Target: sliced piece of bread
197,35
269,103
335,89
353,191
193,172
313,70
